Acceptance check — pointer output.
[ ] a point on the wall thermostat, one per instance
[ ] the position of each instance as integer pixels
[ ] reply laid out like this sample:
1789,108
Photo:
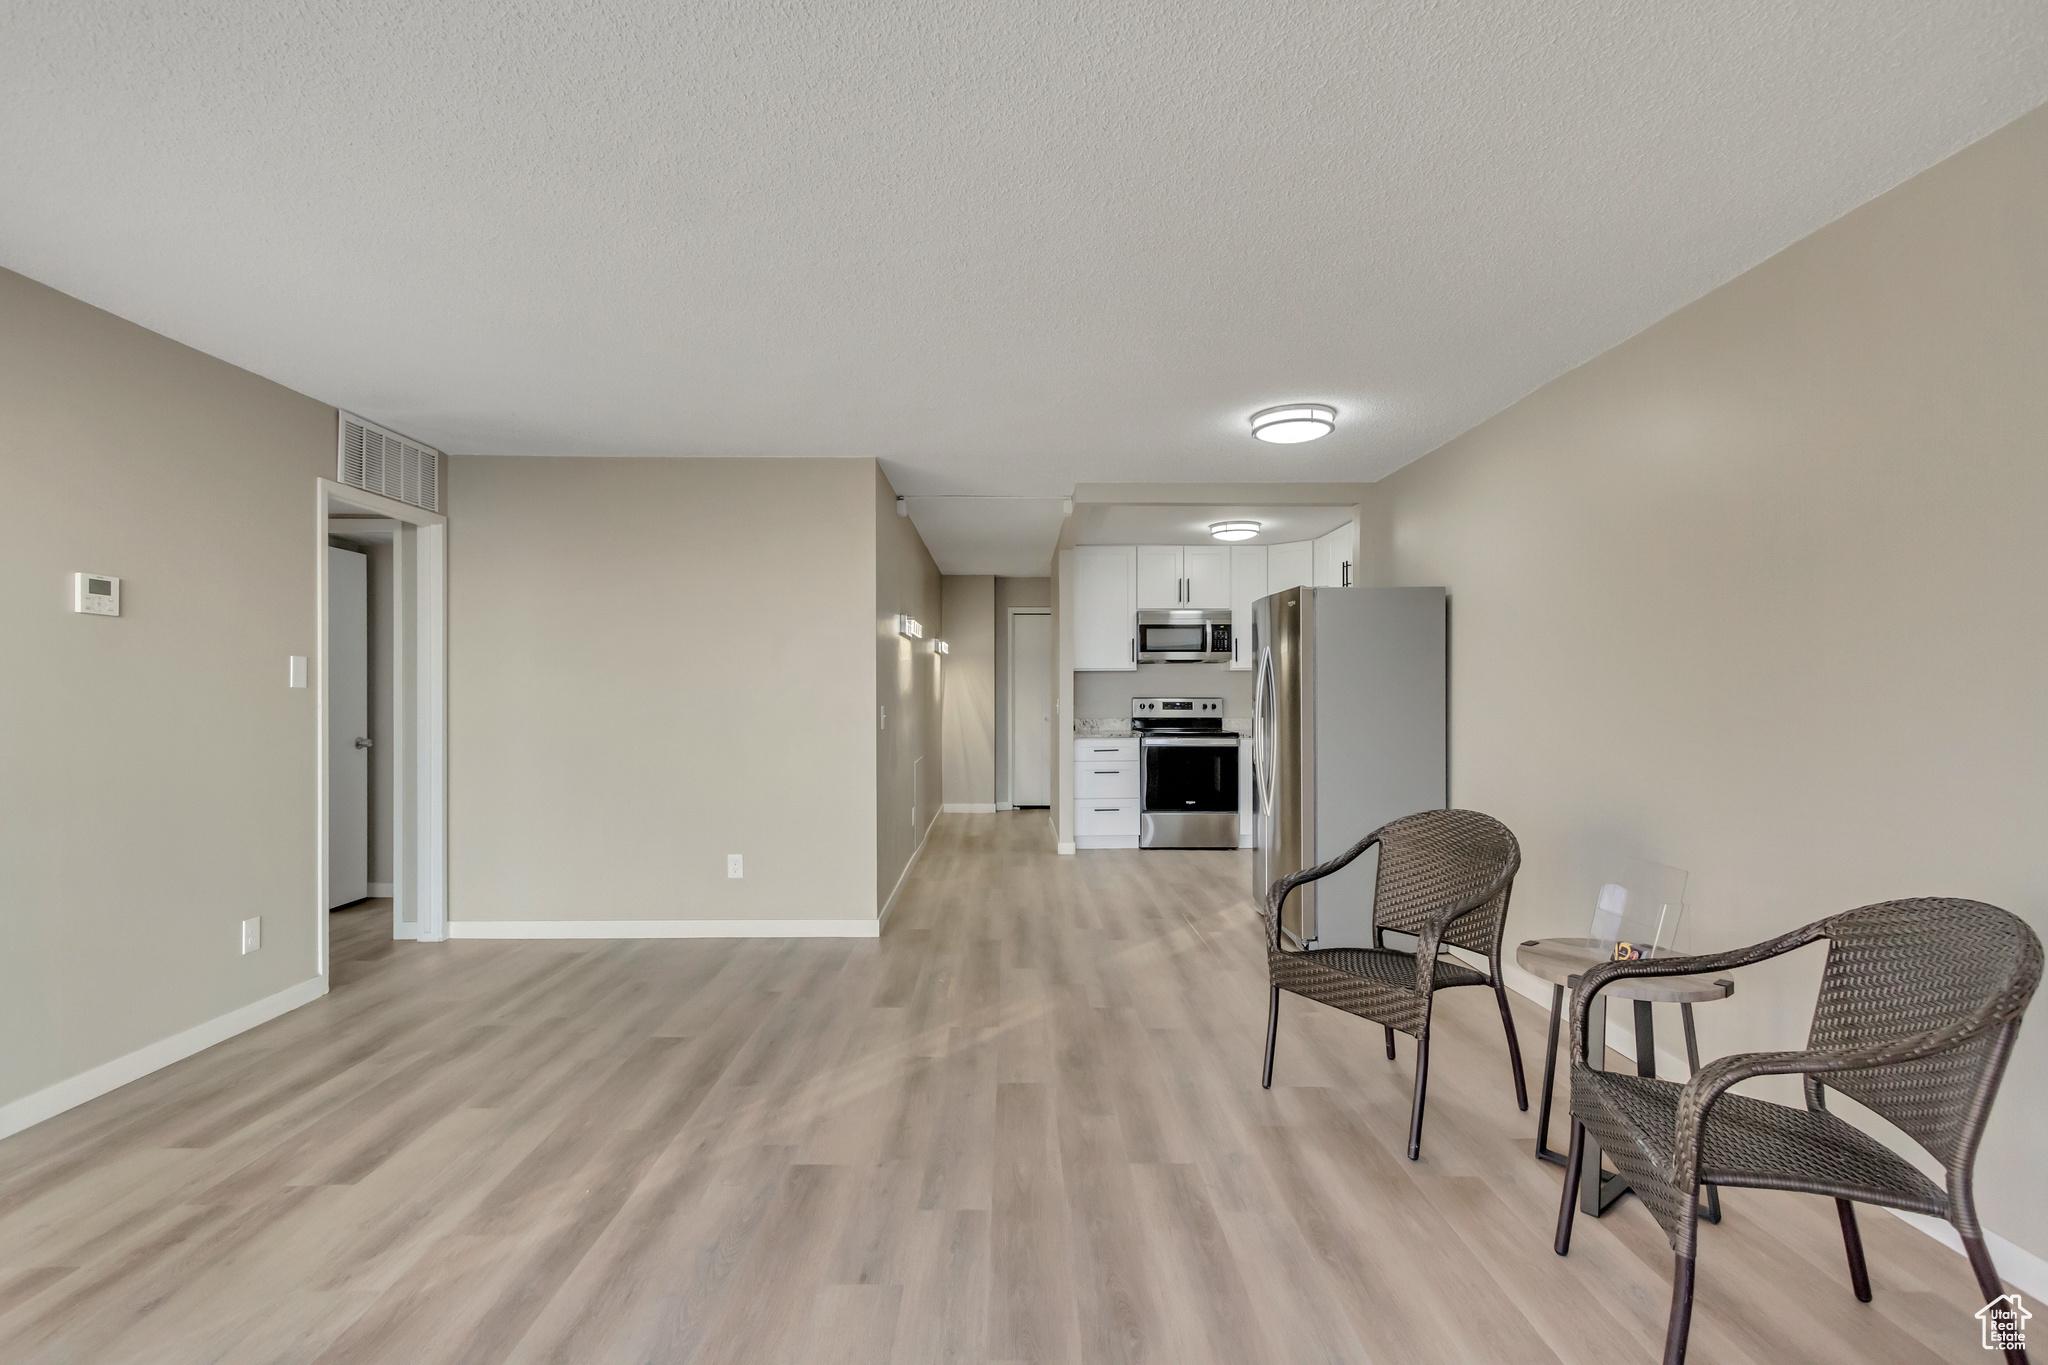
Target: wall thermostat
96,594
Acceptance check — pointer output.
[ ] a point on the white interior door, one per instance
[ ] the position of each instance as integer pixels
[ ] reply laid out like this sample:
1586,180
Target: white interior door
1031,709
348,720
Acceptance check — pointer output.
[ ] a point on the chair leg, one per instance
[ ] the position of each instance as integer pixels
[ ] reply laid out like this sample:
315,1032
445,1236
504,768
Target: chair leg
1272,1036
1852,1240
1421,1088
1570,1206
1390,1045
1988,1283
1680,1325
1500,993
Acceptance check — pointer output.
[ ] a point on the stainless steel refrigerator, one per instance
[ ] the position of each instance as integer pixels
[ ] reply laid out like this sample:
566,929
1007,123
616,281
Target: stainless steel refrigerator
1349,700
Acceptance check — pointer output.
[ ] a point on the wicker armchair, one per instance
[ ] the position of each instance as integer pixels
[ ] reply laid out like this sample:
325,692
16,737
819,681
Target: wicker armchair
1919,1005
1444,877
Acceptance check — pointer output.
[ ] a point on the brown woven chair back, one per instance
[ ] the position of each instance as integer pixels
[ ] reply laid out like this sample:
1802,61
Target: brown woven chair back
1438,858
1909,967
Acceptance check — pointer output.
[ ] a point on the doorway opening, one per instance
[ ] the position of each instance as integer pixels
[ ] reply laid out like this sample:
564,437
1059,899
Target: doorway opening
1028,701
382,679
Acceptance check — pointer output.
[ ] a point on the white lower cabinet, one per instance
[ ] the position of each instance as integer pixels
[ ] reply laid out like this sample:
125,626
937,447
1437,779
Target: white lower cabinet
1107,798
1105,822
1095,779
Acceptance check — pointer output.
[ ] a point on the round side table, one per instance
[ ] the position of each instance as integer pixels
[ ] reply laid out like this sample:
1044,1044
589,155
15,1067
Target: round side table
1560,961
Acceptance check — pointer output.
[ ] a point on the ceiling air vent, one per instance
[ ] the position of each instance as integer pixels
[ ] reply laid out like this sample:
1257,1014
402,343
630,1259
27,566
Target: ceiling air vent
380,461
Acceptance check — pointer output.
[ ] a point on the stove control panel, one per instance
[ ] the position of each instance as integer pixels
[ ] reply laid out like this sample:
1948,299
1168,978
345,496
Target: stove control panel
1176,708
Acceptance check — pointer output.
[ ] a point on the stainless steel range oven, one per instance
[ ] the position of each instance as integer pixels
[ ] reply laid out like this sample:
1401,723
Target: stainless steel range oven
1187,773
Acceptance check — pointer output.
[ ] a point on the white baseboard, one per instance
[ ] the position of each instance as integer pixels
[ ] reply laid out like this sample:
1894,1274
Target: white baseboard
664,928
904,878
53,1100
970,808
381,889
1064,848
402,930
1004,805
2016,1264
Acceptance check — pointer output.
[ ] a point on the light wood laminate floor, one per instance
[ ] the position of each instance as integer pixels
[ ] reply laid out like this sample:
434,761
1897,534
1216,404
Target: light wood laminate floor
1025,1125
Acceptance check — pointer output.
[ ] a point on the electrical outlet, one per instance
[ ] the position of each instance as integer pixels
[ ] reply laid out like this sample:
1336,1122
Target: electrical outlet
733,866
252,934
884,717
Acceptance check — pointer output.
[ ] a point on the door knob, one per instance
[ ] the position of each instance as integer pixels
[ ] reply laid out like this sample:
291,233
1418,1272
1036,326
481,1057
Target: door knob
362,743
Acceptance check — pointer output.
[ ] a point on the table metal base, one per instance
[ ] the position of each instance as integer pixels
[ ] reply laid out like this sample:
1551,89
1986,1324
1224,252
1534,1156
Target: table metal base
1598,1188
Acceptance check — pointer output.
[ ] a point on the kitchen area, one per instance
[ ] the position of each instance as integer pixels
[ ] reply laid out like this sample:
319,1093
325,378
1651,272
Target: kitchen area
1243,694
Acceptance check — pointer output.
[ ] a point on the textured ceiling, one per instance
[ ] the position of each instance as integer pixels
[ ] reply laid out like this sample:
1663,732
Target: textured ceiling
1001,247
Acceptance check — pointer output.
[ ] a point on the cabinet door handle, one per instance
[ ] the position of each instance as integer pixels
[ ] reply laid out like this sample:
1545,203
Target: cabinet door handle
1105,810
1134,649
1105,772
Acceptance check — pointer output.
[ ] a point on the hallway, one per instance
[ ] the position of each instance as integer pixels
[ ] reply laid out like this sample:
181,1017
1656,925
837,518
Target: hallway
1024,1125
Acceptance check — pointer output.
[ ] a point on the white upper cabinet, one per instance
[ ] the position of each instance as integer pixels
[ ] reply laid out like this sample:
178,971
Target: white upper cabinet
1207,571
1247,585
1105,607
1292,565
1159,577
1172,576
1335,554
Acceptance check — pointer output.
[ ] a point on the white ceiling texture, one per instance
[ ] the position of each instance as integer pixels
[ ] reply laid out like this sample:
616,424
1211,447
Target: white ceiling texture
1001,247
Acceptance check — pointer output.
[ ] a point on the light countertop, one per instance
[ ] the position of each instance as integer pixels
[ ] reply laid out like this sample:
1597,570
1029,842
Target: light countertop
1121,729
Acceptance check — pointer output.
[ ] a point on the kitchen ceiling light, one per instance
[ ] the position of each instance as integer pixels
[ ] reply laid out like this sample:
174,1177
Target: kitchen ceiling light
1294,423
1233,530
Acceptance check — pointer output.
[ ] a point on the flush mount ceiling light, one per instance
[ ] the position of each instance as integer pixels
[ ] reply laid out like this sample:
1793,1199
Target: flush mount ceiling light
1294,423
1233,530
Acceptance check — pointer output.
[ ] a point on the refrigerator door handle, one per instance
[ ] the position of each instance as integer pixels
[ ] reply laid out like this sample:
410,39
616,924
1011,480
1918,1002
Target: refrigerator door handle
1262,696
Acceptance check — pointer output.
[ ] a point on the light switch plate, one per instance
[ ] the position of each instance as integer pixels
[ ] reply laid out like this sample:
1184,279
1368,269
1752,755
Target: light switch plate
252,934
96,594
298,674
734,867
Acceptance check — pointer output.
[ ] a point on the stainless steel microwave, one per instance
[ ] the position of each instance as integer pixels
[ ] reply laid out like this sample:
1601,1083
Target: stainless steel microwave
1185,636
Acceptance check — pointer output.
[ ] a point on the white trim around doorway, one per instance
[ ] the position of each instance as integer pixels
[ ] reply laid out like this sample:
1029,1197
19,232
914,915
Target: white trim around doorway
419,713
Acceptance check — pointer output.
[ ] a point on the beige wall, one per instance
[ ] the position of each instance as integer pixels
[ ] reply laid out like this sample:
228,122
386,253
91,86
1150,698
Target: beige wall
908,776
1759,594
654,663
969,689
160,779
